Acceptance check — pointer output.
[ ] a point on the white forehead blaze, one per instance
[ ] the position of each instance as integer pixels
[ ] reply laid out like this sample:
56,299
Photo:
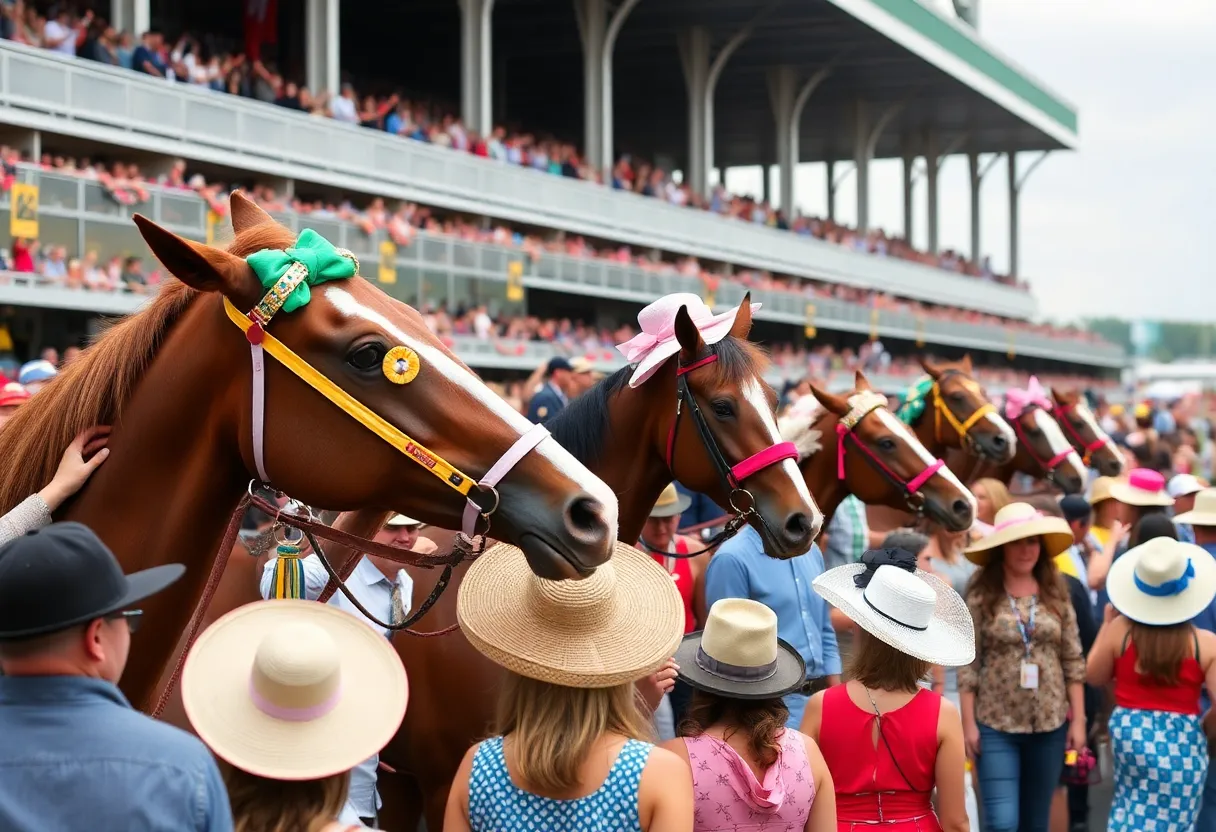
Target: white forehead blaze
1005,429
1057,442
1087,416
457,374
893,424
753,394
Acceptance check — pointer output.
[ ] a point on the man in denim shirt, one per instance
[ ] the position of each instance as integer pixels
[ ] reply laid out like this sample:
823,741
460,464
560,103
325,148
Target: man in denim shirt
73,753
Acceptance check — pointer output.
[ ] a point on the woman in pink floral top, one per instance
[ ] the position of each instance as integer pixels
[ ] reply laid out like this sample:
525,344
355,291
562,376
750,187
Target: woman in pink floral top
749,771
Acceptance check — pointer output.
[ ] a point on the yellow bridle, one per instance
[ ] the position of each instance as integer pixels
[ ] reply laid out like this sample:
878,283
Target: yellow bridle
963,428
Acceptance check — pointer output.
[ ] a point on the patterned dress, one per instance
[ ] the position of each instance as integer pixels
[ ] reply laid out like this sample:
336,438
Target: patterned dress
498,805
727,796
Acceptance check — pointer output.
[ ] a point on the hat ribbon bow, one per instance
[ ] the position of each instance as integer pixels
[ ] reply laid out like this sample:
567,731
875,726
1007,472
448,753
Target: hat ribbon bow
1165,590
642,344
1035,394
874,558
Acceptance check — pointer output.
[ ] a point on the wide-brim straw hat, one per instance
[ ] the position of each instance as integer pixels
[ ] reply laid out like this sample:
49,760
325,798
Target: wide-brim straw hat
1162,582
293,689
1099,489
915,612
612,627
1204,511
1018,521
738,654
1141,487
671,502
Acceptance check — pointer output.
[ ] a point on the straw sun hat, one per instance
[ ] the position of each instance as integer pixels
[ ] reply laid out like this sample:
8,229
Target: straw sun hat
911,610
1142,487
1204,512
671,502
738,654
613,627
1162,582
293,690
1018,521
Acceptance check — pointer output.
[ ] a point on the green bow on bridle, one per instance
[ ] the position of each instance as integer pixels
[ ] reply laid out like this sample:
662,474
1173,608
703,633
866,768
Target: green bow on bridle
319,258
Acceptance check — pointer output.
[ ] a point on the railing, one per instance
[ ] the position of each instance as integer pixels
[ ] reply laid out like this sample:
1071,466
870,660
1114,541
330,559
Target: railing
81,98
76,212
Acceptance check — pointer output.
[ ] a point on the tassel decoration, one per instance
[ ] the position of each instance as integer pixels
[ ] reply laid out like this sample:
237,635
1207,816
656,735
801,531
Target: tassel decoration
287,578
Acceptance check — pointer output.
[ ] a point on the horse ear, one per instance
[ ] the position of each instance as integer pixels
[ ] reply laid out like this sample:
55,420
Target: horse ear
743,319
688,336
966,362
838,405
1056,397
862,382
199,266
246,213
934,371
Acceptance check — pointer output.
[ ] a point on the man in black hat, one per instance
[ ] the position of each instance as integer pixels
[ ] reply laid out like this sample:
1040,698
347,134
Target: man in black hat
555,394
74,752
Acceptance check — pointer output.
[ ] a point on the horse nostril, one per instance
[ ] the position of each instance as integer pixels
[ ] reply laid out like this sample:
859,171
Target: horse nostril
798,527
585,520
999,442
961,508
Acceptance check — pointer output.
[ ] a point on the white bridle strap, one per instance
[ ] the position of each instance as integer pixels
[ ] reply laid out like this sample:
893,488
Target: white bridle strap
509,460
259,409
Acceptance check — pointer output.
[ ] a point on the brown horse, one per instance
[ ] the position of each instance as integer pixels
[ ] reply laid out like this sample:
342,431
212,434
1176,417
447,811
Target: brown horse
1043,451
175,382
882,462
621,433
1086,435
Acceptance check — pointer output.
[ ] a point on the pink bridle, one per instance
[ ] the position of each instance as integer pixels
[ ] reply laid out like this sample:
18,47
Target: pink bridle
1074,435
844,431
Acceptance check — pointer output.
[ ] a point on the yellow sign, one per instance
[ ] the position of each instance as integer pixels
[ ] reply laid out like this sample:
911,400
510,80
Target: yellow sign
6,340
388,262
23,222
1012,352
213,223
515,281
873,324
810,329
920,330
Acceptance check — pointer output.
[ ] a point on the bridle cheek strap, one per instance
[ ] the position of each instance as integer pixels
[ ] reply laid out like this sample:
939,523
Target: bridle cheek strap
1049,465
912,486
523,445
1087,447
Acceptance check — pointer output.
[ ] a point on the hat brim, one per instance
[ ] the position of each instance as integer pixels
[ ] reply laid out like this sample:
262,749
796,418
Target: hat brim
1128,495
1165,610
140,585
639,632
683,501
1196,518
215,695
949,640
1054,531
399,520
14,400
717,328
789,675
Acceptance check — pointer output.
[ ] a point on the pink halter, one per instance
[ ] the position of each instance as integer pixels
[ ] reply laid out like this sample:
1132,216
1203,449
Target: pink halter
865,405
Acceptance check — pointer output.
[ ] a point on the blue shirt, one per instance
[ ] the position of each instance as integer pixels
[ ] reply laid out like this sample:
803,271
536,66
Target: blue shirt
740,569
76,755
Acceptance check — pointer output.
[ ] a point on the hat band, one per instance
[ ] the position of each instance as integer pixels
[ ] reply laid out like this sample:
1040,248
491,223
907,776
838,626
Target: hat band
735,672
1165,590
1016,521
890,617
294,714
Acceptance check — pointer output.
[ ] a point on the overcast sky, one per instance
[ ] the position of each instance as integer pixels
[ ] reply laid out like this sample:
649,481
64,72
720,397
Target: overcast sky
1124,225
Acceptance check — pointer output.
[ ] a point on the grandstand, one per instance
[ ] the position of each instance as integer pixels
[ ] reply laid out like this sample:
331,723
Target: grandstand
553,194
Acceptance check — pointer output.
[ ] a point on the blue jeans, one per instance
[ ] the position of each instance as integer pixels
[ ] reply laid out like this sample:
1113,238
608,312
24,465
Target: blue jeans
1207,813
1018,776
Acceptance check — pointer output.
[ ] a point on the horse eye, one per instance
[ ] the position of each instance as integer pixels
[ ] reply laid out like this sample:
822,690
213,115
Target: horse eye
367,357
886,444
723,409
958,397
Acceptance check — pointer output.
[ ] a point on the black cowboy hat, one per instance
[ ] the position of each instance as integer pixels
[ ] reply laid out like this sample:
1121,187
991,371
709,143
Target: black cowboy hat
63,575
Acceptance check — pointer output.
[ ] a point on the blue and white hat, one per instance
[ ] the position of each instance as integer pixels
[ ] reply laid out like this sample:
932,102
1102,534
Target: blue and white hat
1162,582
35,371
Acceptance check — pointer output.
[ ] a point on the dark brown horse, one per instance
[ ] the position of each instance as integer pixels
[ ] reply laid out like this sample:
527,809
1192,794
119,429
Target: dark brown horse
1086,435
882,462
174,381
621,433
1043,452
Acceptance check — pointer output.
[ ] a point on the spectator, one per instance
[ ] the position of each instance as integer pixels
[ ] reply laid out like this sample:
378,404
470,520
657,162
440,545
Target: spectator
553,397
73,747
147,57
61,30
73,472
12,396
133,279
1183,488
34,375
343,108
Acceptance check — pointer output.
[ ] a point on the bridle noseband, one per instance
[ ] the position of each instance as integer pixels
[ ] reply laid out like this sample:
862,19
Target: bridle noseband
1049,466
861,405
963,429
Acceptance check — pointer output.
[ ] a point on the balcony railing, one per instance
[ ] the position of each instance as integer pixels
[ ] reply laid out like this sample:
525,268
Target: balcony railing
77,213
81,98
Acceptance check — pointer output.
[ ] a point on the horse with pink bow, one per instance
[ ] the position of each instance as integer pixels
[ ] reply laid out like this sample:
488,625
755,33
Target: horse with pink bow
1043,451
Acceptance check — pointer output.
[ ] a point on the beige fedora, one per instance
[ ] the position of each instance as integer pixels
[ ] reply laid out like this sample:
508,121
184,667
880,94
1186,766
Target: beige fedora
1099,489
671,502
1162,582
1018,521
1141,487
1204,512
293,690
738,654
398,520
613,627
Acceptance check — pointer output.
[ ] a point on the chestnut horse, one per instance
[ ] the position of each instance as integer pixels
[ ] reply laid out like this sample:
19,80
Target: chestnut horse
622,433
850,443
175,381
1086,435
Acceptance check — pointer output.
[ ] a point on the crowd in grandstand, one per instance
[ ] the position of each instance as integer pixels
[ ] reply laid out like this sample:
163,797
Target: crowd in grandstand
204,63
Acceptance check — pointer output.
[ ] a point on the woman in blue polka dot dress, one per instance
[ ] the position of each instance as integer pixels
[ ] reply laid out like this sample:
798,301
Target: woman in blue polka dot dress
572,750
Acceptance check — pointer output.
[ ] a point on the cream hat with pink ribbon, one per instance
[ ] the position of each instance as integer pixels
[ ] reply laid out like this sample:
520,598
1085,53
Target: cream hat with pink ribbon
657,341
293,689
1143,487
1018,521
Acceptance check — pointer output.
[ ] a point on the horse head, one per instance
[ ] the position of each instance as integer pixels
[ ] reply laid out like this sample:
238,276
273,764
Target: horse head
372,358
880,461
1085,434
1043,450
962,416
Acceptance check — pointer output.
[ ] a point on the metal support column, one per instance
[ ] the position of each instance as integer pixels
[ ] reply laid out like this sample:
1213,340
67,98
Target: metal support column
933,166
321,45
831,182
614,30
694,56
1015,192
781,92
977,180
476,64
134,16
909,160
866,143
592,19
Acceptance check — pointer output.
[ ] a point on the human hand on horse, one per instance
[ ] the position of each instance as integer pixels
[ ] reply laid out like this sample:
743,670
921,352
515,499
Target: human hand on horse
653,687
74,469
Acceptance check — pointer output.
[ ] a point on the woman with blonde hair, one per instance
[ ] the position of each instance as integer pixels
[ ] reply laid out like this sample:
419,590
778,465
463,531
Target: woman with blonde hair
991,496
889,742
572,742
290,695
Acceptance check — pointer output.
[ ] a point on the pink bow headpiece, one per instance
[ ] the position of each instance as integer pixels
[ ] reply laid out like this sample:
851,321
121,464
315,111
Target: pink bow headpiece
1016,401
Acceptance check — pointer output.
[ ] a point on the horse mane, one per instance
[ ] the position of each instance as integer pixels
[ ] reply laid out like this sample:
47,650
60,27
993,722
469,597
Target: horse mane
95,388
583,426
798,425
